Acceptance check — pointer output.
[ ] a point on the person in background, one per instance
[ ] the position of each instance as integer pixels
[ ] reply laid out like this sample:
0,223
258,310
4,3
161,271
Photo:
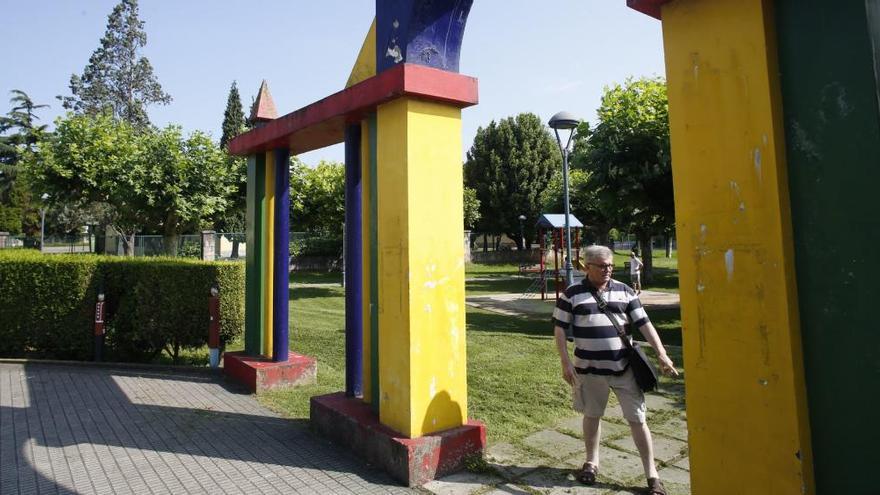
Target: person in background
635,271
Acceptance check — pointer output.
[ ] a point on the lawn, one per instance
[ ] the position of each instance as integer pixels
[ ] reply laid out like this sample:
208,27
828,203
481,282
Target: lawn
514,380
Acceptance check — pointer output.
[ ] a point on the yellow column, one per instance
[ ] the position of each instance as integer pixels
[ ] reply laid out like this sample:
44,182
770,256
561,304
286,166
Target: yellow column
366,181
269,258
746,404
422,355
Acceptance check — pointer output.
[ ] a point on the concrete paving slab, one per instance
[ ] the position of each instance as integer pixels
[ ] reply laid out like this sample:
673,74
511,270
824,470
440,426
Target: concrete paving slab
683,463
560,481
463,483
675,427
609,430
508,489
510,461
553,444
665,449
675,475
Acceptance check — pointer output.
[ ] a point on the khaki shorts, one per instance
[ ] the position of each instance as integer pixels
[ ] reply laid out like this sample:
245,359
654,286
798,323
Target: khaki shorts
590,395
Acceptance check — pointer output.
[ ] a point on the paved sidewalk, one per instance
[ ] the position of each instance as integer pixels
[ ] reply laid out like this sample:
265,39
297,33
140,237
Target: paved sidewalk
517,305
83,429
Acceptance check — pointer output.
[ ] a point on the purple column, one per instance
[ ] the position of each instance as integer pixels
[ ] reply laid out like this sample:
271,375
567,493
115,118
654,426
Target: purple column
280,343
354,298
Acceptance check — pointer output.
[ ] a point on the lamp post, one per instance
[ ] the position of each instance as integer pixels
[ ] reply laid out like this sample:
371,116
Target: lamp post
44,197
522,235
565,121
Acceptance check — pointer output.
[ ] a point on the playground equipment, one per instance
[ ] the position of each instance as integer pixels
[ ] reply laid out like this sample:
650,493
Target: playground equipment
554,225
775,132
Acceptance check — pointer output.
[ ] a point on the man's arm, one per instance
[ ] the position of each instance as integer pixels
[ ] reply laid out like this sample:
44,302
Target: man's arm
650,333
569,374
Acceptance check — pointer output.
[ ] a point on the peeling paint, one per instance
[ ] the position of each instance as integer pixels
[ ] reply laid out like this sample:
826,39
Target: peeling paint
757,160
763,382
428,308
742,206
433,389
700,288
728,263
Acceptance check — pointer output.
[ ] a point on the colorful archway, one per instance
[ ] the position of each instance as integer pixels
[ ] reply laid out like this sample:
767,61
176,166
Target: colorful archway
760,127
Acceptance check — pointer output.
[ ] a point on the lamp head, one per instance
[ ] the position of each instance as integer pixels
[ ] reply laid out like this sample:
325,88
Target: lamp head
563,120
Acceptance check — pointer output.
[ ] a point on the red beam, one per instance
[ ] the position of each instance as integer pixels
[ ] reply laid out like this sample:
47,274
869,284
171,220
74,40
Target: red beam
650,7
323,123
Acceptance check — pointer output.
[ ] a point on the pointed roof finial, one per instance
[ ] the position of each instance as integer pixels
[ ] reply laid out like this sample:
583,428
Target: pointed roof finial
264,108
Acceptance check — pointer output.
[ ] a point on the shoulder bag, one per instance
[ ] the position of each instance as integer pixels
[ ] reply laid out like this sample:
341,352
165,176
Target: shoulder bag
645,374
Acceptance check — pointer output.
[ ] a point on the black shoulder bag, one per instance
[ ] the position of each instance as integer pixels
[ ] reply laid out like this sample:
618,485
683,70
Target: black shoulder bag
645,374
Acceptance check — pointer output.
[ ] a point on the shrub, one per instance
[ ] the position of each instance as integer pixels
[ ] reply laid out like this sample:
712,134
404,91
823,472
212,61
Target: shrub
152,304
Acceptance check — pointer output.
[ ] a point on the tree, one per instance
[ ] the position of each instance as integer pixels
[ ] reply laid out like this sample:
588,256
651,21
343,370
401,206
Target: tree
509,166
471,208
153,180
232,220
629,159
234,122
317,202
180,182
117,78
19,133
583,201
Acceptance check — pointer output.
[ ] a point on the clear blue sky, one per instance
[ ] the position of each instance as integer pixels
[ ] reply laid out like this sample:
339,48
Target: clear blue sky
536,56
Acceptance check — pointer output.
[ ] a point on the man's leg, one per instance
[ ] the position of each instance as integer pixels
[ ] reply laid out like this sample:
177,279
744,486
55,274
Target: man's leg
592,433
642,438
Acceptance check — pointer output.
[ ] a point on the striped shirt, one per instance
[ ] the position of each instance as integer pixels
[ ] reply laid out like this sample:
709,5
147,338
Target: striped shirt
598,349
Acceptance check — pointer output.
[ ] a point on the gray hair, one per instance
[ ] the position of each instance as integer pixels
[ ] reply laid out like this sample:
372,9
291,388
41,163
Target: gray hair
595,253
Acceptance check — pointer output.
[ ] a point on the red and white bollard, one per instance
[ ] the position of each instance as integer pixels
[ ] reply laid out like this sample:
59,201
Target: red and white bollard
214,327
99,327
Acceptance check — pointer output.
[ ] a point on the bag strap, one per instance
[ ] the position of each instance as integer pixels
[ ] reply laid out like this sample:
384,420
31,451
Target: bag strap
603,307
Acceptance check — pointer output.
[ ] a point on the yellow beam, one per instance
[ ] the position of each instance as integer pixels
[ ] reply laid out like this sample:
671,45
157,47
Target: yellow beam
746,404
422,353
269,258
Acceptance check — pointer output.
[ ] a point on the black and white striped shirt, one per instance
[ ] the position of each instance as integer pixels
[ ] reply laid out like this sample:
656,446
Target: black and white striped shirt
598,349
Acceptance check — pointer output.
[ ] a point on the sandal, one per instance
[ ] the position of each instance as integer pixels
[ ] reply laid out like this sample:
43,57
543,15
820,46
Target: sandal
587,474
655,487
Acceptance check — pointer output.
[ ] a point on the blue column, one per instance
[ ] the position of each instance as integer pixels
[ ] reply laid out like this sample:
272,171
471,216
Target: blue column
354,298
280,302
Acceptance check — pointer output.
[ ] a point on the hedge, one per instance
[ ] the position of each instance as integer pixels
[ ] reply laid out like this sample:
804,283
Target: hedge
47,304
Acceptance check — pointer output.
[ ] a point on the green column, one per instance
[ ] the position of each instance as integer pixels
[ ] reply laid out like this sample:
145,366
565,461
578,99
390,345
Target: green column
254,276
829,58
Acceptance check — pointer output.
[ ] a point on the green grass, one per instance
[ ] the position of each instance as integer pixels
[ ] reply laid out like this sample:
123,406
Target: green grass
321,277
472,270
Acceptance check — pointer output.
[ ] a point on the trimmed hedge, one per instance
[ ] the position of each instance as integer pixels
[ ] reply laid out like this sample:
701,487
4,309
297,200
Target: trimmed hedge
47,304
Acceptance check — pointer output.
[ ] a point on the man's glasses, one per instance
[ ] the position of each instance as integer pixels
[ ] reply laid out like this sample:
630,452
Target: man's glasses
607,267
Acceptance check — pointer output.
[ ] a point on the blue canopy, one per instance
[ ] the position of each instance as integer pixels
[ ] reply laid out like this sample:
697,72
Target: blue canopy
557,221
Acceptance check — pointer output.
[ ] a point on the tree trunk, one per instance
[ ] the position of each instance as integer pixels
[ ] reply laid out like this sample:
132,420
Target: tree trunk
170,237
485,243
128,244
667,240
645,247
234,247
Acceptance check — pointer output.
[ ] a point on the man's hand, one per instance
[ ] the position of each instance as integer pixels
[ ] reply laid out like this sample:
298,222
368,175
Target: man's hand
569,374
666,365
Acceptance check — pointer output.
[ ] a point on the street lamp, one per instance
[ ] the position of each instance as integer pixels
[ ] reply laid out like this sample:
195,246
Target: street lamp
565,121
522,235
44,197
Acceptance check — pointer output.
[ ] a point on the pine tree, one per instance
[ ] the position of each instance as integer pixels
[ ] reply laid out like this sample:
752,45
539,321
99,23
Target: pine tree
233,118
117,78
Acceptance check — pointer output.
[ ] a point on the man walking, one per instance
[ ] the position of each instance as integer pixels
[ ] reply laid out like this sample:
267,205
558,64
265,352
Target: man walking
600,359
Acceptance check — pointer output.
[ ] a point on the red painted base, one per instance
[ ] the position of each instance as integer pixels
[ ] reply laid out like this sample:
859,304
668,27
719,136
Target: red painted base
351,423
259,374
